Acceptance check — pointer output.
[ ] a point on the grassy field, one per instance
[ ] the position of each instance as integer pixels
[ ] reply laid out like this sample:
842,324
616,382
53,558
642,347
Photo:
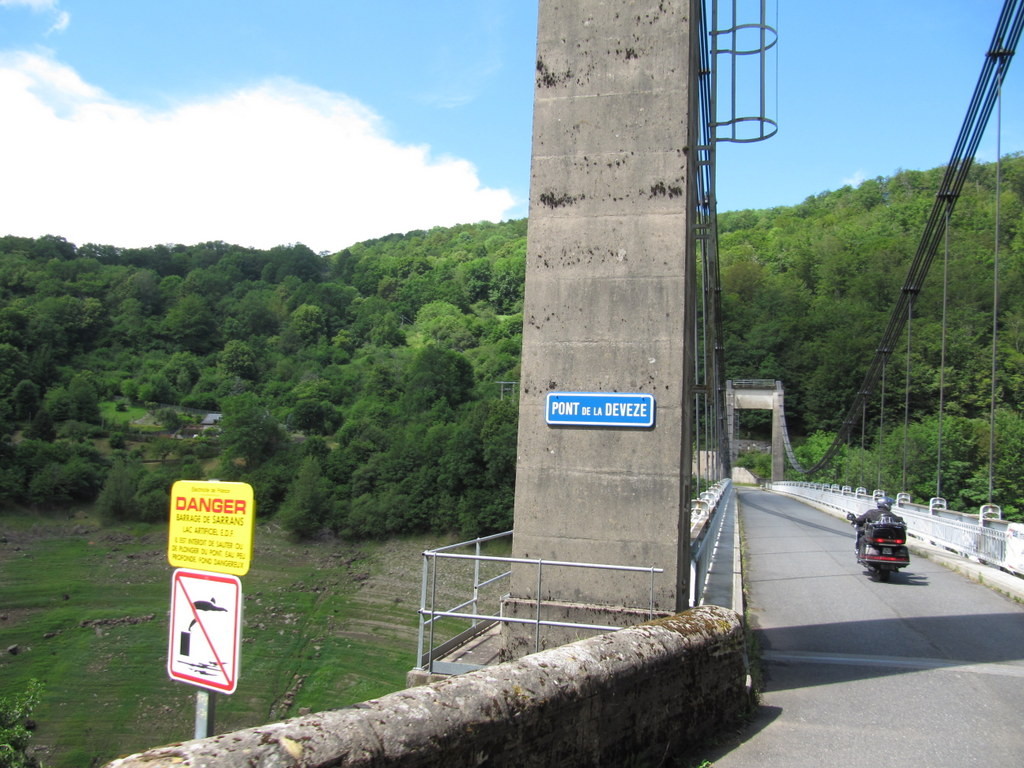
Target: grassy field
111,415
84,609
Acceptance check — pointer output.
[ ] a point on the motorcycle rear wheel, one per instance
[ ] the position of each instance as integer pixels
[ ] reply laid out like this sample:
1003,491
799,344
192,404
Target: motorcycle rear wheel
878,574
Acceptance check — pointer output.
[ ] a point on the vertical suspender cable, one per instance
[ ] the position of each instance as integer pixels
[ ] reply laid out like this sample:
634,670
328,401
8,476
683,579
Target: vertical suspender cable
699,374
942,364
995,284
906,399
863,441
881,427
706,354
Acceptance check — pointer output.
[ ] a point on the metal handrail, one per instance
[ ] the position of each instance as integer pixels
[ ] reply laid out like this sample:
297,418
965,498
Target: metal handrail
429,615
702,547
753,384
972,536
712,503
514,620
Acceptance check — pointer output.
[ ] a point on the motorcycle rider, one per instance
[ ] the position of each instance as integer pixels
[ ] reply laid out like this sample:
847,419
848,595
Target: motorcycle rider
883,507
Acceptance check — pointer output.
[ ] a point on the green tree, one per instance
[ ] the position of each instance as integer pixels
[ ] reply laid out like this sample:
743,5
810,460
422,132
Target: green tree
307,324
499,435
249,431
306,507
809,452
152,496
15,732
437,374
191,325
62,472
507,279
59,404
13,366
255,314
475,277
387,332
84,398
41,427
117,497
25,399
181,372
758,462
238,359
155,389
314,417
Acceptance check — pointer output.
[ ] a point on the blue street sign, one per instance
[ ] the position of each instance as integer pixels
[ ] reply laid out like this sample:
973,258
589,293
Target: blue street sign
600,409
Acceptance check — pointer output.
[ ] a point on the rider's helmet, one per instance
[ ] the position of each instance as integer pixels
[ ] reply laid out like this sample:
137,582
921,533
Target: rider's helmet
885,504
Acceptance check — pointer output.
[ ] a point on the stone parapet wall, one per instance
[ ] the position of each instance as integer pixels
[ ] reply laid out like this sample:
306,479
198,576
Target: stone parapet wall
650,691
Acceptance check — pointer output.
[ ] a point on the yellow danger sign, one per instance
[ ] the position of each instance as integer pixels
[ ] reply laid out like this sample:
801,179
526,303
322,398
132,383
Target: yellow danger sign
211,526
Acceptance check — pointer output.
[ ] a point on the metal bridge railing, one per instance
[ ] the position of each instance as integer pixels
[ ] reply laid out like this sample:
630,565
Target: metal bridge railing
442,630
753,384
473,610
964,536
990,541
707,515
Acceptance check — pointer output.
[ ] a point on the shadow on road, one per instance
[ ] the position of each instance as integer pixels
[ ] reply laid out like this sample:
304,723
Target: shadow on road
748,504
763,717
799,657
904,578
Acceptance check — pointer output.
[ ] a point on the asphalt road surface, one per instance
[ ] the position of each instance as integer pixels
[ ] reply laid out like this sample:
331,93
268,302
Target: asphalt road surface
926,670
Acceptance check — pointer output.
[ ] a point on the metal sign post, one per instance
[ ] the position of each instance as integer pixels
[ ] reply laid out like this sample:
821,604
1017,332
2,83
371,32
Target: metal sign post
206,702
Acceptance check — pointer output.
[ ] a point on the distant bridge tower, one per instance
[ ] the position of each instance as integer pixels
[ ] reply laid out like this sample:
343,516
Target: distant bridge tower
610,283
757,394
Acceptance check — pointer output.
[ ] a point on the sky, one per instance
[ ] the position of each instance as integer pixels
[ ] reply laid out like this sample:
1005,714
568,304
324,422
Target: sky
328,122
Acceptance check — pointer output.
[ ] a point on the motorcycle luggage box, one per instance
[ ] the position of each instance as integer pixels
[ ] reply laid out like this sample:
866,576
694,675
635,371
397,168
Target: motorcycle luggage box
887,531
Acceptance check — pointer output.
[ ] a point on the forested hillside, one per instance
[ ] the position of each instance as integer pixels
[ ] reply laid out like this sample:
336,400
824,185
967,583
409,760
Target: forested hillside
808,291
361,392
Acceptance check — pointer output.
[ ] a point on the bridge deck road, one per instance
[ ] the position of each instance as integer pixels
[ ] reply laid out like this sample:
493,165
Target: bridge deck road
926,670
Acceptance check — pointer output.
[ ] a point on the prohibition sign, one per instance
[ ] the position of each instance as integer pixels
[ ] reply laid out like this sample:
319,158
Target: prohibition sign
205,629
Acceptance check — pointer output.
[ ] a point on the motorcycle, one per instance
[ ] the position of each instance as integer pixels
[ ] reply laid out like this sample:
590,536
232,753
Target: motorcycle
882,548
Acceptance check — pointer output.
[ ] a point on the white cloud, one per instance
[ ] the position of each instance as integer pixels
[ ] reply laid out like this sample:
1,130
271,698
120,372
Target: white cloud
62,22
855,180
35,5
62,18
276,163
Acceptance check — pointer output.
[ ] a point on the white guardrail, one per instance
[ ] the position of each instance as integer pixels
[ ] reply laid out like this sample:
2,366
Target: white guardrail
981,536
707,514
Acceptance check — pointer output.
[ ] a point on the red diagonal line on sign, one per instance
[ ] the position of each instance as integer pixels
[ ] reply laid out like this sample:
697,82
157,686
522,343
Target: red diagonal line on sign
216,656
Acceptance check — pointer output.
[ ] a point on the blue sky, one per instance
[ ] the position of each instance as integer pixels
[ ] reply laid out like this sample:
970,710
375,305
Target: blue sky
326,122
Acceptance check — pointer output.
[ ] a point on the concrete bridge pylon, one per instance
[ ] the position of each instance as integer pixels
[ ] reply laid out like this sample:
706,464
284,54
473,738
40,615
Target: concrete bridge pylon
609,310
757,394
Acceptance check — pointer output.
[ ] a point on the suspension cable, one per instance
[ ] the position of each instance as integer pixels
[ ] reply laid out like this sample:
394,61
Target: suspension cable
997,61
